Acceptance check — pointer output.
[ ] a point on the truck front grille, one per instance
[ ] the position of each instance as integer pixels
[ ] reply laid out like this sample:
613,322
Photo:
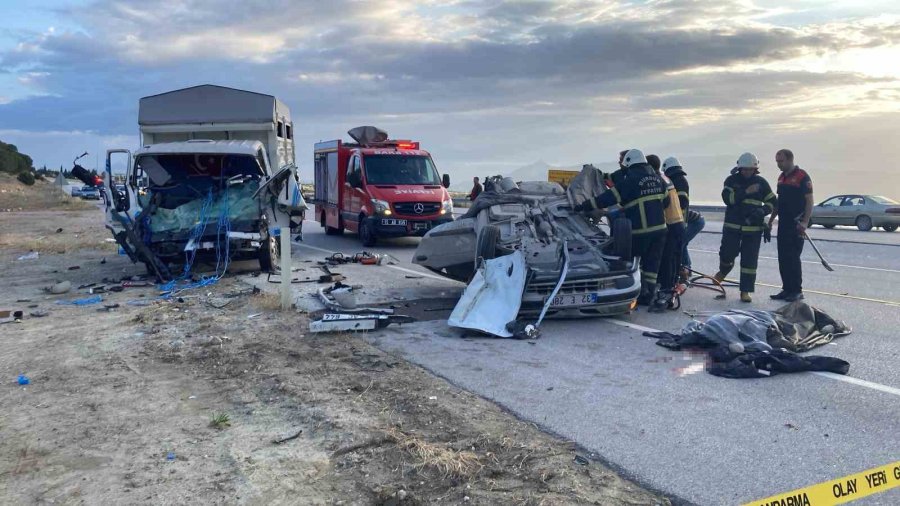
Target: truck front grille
411,208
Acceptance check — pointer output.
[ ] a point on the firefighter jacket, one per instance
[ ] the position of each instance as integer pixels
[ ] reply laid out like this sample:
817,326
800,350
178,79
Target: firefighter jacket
746,212
679,179
673,211
641,193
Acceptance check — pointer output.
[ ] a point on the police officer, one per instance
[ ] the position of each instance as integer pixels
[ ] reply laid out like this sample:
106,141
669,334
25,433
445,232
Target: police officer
642,195
748,199
795,203
671,256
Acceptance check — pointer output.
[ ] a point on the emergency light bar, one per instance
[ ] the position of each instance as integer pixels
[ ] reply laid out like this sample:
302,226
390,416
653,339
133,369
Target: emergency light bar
407,145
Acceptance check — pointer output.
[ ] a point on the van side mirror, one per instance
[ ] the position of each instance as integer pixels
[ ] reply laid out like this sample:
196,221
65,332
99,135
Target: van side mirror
445,180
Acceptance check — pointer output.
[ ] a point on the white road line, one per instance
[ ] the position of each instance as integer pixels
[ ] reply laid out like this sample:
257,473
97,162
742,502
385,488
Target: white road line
809,262
829,375
395,267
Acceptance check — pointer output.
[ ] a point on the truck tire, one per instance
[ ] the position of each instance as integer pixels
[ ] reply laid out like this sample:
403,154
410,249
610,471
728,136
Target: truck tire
486,247
367,235
621,232
269,252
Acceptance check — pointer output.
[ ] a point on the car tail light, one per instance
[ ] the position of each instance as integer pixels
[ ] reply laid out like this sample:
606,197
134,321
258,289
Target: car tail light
893,210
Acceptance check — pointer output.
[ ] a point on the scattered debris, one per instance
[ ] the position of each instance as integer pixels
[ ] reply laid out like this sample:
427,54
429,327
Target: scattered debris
108,307
23,380
170,456
254,315
581,460
74,267
493,297
341,290
60,288
38,314
356,322
285,439
81,302
32,255
10,316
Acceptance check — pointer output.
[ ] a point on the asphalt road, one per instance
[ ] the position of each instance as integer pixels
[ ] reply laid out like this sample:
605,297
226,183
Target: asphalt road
654,414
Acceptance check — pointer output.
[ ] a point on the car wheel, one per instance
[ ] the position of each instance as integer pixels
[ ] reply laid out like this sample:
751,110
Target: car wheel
367,233
889,228
864,223
269,251
828,226
487,242
621,232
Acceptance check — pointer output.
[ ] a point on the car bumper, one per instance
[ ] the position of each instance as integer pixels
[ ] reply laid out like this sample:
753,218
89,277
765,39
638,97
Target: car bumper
405,227
612,295
887,219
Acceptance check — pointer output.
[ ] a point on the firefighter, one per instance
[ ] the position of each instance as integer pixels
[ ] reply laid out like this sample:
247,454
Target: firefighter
748,199
671,256
642,195
693,220
795,203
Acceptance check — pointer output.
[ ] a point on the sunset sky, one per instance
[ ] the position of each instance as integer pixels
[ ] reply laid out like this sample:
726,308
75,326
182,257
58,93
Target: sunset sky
486,86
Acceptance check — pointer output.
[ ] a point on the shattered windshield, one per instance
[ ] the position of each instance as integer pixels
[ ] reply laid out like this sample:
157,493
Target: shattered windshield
195,169
401,169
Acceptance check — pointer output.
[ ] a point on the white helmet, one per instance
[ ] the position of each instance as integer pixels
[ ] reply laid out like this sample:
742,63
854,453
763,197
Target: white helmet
748,160
670,162
632,157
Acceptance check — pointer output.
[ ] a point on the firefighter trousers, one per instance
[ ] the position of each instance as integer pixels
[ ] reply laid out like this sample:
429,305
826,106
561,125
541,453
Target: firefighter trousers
649,247
671,256
746,244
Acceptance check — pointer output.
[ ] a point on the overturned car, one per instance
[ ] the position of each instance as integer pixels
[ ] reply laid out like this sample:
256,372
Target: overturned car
536,218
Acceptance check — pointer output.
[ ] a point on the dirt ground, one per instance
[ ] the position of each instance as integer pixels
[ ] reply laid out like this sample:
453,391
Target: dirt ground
218,397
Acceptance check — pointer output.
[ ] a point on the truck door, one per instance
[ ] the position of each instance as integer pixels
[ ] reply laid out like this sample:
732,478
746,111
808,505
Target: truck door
352,203
119,187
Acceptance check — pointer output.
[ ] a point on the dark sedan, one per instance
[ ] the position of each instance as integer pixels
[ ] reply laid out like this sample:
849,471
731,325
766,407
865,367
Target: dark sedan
863,211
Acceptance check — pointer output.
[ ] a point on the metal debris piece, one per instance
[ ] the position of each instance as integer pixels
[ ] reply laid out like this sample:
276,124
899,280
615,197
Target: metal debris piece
331,322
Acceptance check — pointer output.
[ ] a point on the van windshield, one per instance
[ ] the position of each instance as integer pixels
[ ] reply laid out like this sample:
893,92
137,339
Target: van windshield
401,169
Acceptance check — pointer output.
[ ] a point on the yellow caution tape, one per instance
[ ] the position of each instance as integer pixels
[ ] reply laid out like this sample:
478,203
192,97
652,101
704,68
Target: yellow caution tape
838,491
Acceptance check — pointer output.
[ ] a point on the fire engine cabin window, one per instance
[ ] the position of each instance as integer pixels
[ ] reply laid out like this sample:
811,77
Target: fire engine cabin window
289,130
353,172
401,169
281,129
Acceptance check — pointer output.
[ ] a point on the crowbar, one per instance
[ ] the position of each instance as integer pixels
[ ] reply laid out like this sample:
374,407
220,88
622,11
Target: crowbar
824,262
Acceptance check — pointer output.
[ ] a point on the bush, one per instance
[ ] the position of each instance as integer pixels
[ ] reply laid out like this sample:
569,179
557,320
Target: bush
26,178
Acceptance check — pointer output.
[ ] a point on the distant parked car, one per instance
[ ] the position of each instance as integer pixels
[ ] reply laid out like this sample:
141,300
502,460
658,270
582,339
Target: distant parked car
89,193
864,211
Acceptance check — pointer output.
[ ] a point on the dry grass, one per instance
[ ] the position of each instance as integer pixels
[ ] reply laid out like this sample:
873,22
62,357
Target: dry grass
267,301
15,196
447,461
55,243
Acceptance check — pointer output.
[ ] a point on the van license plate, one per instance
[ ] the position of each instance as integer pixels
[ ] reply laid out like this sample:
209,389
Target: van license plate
578,299
420,226
393,221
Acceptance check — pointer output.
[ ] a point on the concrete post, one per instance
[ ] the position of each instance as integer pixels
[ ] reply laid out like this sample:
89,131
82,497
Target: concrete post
286,275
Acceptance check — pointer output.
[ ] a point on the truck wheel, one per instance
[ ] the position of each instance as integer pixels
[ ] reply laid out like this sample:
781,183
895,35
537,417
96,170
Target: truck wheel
864,223
269,252
367,233
621,232
487,242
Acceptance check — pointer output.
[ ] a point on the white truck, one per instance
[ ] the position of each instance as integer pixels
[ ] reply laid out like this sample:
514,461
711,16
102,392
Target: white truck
215,178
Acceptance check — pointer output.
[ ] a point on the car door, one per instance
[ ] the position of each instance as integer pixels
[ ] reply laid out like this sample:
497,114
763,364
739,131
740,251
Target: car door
350,201
851,208
122,205
826,213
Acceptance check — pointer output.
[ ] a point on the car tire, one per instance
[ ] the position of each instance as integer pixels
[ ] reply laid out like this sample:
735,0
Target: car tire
864,223
367,235
828,226
269,251
621,233
889,228
486,247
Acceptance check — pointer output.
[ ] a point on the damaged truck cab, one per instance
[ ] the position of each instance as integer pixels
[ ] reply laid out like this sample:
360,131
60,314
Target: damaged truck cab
215,178
378,187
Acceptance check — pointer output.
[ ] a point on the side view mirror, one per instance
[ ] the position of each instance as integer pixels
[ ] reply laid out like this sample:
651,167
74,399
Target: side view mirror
445,180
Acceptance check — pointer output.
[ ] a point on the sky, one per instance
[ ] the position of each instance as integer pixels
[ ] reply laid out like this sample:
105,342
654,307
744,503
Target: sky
486,86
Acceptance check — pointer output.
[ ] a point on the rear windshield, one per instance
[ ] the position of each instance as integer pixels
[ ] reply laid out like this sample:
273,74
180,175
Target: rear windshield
401,169
883,200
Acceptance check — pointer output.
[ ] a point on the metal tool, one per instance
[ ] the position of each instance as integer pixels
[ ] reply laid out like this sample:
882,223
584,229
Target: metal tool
825,263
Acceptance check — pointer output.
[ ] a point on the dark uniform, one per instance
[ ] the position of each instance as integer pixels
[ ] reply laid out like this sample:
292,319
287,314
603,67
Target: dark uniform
642,194
792,191
744,224
679,179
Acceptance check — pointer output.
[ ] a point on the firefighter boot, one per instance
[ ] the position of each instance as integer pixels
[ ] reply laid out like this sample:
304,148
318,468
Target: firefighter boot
648,295
660,302
745,297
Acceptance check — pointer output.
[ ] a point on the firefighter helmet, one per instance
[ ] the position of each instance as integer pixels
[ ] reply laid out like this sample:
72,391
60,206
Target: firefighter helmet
670,163
748,160
632,157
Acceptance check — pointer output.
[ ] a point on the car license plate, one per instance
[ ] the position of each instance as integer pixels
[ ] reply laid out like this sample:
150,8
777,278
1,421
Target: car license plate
393,221
420,226
577,299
